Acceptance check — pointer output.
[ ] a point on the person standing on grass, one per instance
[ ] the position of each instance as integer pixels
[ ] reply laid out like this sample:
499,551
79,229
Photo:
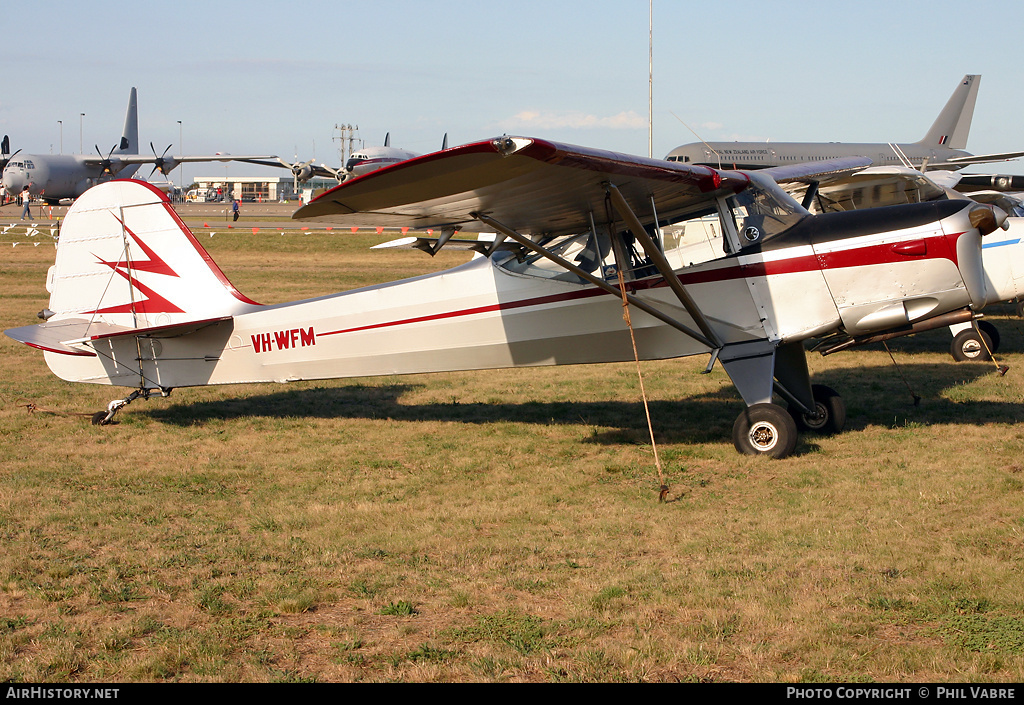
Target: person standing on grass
26,202
234,209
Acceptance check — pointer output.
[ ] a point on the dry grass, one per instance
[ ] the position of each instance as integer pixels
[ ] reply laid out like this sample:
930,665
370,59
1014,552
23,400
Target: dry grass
503,526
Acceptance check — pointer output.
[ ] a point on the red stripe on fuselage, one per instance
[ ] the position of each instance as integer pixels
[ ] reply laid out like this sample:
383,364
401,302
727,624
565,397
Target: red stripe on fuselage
733,268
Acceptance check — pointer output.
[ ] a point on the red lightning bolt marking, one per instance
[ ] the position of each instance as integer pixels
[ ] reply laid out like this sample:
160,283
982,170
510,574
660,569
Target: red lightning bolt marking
153,303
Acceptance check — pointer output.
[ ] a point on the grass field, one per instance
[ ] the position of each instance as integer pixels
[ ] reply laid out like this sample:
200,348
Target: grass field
503,526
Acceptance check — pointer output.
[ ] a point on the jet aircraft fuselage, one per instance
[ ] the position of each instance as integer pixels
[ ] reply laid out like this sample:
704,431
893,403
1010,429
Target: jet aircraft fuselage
943,147
761,155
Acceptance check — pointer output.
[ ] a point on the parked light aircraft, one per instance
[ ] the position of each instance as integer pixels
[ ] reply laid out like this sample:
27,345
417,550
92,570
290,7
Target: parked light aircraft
136,302
943,147
1002,252
55,177
364,161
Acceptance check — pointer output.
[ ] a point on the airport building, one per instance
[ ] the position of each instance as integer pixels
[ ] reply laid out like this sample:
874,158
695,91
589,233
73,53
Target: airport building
255,188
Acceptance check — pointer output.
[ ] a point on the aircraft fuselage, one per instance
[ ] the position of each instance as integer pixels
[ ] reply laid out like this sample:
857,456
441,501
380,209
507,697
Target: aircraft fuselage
54,177
761,155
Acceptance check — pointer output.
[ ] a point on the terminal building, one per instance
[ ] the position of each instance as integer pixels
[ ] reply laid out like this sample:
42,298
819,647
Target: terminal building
255,189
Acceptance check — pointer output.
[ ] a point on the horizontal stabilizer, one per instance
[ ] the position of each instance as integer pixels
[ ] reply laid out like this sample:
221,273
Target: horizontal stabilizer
172,330
71,336
56,336
977,159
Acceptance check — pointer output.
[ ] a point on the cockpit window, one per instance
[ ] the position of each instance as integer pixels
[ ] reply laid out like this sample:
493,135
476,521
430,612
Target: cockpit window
587,251
763,210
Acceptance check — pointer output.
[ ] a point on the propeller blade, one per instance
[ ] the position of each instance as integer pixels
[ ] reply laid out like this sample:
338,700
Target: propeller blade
968,250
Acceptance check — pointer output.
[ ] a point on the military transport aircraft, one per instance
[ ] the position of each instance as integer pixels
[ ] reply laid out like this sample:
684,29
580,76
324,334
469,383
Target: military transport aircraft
943,147
55,177
136,302
367,159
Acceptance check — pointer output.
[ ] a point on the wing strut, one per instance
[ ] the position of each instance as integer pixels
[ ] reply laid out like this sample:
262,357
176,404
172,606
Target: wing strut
658,258
599,283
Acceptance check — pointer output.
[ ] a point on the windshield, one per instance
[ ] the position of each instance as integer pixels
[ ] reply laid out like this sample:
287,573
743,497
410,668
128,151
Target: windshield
763,210
760,211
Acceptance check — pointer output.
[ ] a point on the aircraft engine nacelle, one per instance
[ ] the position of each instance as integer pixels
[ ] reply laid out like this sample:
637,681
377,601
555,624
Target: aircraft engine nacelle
167,165
924,262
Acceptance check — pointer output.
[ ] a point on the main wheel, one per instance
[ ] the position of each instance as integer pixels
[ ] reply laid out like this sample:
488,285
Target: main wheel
765,429
971,344
830,412
992,332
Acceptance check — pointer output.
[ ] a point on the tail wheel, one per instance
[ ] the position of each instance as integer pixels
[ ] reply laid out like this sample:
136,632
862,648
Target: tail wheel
765,429
830,412
971,344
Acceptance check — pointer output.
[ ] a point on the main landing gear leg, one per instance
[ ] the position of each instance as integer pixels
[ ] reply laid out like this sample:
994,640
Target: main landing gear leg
758,369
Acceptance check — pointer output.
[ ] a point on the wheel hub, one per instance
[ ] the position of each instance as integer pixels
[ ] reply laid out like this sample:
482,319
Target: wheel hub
764,436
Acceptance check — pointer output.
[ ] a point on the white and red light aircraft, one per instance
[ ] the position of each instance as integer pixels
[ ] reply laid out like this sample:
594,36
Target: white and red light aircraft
136,301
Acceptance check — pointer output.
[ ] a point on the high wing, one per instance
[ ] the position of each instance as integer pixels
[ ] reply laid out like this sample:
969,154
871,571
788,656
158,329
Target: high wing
533,186
878,186
959,162
303,170
817,172
130,159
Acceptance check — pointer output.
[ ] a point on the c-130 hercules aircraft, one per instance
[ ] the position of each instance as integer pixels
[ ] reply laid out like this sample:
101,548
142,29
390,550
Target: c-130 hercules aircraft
136,301
53,177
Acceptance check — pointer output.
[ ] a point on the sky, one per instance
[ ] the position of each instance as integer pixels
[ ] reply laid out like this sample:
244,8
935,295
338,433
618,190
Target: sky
260,78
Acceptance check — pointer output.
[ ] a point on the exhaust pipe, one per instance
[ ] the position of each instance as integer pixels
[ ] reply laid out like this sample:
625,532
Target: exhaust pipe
941,321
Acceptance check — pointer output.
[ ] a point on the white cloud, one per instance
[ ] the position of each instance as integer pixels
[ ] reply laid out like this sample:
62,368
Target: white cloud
533,119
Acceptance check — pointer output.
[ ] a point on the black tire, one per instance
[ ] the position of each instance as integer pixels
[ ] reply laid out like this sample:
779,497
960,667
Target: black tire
831,412
968,346
100,418
765,429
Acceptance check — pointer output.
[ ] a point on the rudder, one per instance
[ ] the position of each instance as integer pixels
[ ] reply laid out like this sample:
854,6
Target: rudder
953,124
126,259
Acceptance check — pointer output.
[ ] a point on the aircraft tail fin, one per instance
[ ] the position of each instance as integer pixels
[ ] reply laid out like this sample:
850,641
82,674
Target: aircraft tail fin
130,134
125,259
954,122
